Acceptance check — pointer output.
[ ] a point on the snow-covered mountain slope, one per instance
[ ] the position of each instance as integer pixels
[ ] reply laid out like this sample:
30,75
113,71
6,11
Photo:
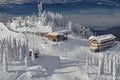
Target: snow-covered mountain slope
65,60
5,32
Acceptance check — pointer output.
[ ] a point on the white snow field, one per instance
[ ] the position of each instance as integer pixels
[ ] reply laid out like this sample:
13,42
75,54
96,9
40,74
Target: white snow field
65,60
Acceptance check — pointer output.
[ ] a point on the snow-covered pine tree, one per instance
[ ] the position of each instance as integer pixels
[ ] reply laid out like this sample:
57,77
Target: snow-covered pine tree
111,64
7,47
15,49
88,33
5,62
87,64
27,47
10,49
117,62
101,65
114,69
9,43
21,57
70,25
106,62
24,49
84,33
33,56
93,60
1,52
19,47
40,8
3,46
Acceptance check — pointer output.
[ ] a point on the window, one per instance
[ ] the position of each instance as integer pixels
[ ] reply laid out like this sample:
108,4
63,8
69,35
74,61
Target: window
95,42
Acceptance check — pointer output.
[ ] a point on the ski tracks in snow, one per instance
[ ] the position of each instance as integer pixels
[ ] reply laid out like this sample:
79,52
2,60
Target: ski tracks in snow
15,76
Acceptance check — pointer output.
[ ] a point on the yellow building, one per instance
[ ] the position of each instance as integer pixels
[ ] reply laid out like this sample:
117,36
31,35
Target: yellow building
99,43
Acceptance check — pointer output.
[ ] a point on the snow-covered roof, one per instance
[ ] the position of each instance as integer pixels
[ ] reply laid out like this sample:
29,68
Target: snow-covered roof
62,32
103,38
54,33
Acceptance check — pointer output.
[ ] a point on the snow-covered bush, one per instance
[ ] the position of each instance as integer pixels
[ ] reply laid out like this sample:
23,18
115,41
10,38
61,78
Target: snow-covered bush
28,61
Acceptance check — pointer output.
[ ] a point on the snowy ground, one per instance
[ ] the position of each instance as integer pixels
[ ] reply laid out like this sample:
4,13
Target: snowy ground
64,60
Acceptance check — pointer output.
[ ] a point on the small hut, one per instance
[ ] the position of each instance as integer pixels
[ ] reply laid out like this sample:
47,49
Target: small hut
34,53
99,43
30,54
58,36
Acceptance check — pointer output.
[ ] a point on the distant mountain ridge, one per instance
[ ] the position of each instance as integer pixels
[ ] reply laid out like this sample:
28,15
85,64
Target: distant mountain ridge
109,3
32,7
55,1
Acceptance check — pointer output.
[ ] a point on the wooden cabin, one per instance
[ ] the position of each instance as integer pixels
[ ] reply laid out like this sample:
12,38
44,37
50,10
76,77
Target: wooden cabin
58,36
99,43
